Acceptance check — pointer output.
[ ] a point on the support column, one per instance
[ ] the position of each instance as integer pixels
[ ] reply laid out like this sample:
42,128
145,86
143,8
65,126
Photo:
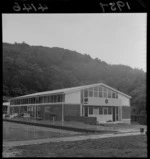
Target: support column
8,109
80,109
62,112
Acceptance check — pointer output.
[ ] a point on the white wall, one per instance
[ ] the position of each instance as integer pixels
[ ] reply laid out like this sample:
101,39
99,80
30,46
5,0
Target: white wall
124,100
102,118
101,101
127,121
73,98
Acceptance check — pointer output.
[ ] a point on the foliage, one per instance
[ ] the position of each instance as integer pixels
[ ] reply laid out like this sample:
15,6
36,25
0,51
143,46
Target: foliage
28,69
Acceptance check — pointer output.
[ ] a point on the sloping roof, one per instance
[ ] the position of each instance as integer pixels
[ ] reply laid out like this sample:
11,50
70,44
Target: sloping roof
69,90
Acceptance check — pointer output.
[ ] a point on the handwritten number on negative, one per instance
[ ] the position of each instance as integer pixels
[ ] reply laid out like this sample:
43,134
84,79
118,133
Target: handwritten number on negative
42,8
27,7
115,5
16,7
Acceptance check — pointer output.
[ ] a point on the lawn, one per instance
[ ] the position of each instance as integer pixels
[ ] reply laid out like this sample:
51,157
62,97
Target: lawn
128,146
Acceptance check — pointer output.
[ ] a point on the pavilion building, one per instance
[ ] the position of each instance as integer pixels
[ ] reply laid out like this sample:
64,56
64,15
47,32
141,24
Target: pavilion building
95,103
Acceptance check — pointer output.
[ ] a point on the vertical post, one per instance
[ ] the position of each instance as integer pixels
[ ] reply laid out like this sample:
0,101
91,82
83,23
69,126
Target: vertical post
80,109
62,113
8,109
121,113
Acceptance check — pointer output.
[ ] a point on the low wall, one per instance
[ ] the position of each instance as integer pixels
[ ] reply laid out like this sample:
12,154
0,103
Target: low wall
86,120
85,130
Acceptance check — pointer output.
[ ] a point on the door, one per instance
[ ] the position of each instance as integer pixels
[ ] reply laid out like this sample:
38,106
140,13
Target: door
114,114
105,111
86,111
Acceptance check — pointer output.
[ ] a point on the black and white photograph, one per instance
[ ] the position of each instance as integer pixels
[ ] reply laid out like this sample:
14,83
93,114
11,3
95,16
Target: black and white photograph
74,84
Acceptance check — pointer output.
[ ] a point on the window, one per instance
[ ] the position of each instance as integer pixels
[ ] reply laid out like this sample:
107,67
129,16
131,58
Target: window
85,100
95,94
105,92
109,93
90,93
58,98
100,94
105,110
52,99
116,95
96,89
100,110
85,93
40,99
55,98
100,89
113,95
90,110
109,110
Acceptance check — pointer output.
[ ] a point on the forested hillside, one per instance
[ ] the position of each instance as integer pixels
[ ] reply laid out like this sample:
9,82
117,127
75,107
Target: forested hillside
28,69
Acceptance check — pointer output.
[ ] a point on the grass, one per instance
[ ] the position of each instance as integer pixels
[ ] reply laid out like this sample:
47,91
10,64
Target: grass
128,146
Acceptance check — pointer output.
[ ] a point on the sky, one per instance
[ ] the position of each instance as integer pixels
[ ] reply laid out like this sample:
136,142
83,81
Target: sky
114,38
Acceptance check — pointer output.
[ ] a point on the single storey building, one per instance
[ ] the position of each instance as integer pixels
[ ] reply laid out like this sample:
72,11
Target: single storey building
96,102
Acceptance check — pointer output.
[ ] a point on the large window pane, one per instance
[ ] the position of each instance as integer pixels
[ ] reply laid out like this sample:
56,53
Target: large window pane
100,94
85,93
109,110
100,110
95,88
100,88
105,111
109,94
90,93
95,94
116,95
113,95
105,94
90,110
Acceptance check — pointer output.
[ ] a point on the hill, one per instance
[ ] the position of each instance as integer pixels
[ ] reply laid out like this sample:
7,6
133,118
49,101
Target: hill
28,69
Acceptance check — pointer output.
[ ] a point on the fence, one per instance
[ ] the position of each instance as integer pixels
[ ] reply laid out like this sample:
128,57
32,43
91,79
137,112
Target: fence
141,119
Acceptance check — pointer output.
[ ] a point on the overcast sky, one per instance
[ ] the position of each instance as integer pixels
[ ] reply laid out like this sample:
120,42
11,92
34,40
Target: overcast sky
113,38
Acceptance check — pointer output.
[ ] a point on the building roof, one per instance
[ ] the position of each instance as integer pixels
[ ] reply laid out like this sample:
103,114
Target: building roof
69,90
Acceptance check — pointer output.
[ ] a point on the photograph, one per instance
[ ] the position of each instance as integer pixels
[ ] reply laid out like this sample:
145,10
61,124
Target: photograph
74,85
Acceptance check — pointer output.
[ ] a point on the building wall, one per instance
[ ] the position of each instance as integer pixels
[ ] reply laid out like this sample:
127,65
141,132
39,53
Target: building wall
73,98
72,110
45,111
124,100
101,101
